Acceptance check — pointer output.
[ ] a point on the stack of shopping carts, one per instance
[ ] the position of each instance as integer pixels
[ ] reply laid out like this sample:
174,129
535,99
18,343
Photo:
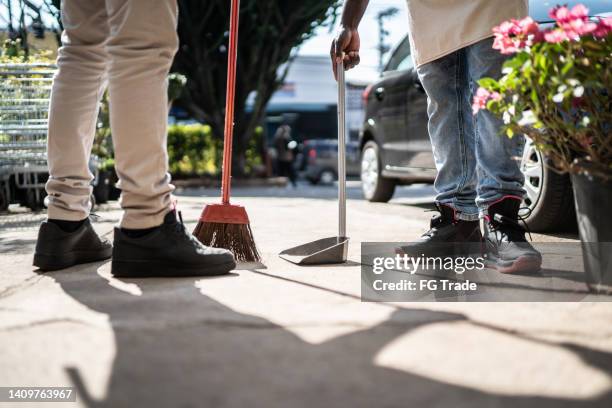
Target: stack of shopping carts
24,106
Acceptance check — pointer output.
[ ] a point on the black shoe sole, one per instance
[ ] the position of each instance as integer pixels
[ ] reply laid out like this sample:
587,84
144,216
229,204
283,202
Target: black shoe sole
157,269
48,263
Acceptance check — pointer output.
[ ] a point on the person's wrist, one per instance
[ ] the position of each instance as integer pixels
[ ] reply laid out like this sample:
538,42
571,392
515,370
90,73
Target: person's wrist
348,27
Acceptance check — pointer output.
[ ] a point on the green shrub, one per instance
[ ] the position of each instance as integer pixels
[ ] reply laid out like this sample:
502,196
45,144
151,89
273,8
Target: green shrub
11,52
253,152
193,151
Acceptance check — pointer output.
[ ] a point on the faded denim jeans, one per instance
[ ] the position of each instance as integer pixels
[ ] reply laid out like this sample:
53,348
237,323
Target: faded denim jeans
477,164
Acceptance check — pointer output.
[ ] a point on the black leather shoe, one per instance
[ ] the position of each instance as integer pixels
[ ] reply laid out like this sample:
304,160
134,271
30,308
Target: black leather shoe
507,249
58,249
448,236
167,251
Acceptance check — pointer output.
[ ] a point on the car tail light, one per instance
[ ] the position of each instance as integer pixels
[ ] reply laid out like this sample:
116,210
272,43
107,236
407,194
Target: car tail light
366,94
312,155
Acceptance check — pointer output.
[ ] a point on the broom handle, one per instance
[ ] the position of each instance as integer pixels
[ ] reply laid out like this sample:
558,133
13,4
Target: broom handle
232,57
341,151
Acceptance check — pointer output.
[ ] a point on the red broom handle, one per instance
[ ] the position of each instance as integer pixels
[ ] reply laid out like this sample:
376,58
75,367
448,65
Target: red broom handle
232,57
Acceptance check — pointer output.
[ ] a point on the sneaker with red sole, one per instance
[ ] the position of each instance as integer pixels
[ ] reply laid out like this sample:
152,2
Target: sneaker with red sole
508,251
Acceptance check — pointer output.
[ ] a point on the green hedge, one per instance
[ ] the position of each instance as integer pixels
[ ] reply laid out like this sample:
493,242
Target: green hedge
193,151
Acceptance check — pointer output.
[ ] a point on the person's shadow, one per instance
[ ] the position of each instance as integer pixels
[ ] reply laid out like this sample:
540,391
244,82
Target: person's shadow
179,348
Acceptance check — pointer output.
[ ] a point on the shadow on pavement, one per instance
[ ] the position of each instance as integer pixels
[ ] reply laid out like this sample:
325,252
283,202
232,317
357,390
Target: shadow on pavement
16,246
176,347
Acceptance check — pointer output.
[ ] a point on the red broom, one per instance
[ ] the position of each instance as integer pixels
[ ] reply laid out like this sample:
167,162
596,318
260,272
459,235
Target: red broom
225,225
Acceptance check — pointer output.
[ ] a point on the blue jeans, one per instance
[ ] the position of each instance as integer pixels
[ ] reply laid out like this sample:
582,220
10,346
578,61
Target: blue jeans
477,164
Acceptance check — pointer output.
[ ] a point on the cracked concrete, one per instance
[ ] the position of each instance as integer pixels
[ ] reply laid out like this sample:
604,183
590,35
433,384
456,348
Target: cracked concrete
289,336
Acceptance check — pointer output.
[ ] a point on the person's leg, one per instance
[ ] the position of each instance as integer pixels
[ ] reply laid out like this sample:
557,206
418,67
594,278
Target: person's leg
500,181
67,237
151,240
452,137
77,88
451,132
292,174
282,168
498,156
141,46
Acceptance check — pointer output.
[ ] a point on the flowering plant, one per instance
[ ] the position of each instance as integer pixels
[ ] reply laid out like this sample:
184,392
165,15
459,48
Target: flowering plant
556,88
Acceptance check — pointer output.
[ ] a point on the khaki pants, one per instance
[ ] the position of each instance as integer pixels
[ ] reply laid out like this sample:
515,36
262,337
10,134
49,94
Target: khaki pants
127,45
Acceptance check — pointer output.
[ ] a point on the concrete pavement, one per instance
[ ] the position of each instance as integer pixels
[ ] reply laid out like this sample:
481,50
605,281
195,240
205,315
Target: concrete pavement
285,336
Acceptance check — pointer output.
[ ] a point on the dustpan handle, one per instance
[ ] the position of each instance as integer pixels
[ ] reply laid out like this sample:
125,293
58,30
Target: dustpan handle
232,57
341,151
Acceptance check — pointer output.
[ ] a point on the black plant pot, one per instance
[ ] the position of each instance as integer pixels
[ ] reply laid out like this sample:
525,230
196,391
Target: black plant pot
593,199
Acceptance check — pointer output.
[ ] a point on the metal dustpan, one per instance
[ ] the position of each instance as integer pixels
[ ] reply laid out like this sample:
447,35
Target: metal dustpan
331,250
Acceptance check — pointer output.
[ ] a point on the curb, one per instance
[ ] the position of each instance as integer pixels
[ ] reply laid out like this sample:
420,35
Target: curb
236,182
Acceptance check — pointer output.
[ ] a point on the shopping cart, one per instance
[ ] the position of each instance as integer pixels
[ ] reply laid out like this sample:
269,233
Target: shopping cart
25,90
24,106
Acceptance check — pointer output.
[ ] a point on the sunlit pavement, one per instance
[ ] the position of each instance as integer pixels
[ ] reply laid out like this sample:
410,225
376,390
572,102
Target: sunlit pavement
284,335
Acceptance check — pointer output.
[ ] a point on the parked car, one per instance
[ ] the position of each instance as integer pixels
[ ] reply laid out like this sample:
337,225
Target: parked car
322,160
396,149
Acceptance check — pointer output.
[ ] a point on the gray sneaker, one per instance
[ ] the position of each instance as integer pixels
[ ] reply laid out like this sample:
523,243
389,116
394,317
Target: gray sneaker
507,248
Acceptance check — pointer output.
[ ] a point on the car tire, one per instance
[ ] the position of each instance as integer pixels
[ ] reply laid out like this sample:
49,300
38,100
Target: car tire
549,194
327,177
374,186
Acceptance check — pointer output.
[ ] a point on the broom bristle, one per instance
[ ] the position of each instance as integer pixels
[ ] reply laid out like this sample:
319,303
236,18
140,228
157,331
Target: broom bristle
237,238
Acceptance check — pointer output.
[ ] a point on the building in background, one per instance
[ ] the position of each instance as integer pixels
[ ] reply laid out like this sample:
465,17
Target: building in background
308,102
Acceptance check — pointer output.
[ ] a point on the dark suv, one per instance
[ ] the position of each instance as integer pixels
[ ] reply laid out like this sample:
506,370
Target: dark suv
396,149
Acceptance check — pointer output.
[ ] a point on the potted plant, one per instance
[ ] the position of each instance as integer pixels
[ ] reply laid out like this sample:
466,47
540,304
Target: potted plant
555,89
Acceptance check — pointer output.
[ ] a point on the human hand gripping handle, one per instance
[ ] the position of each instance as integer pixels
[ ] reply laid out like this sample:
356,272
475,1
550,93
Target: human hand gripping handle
345,47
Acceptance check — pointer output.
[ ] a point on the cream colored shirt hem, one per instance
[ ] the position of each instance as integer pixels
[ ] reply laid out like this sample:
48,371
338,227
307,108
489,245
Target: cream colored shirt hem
444,54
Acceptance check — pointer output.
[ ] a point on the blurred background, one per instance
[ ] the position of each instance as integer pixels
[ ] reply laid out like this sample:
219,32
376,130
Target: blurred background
297,90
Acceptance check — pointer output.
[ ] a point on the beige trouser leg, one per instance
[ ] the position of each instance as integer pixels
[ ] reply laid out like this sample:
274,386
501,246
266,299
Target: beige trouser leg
132,43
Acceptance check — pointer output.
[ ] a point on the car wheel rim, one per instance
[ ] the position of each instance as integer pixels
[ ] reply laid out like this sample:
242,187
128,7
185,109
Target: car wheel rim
532,168
327,177
369,172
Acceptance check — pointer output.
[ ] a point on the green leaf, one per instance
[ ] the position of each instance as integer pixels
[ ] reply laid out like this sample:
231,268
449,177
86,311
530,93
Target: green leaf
488,83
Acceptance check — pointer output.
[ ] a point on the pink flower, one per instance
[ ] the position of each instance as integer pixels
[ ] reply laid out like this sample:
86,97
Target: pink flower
505,45
574,23
482,97
555,36
528,26
604,27
562,15
580,11
514,35
577,28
